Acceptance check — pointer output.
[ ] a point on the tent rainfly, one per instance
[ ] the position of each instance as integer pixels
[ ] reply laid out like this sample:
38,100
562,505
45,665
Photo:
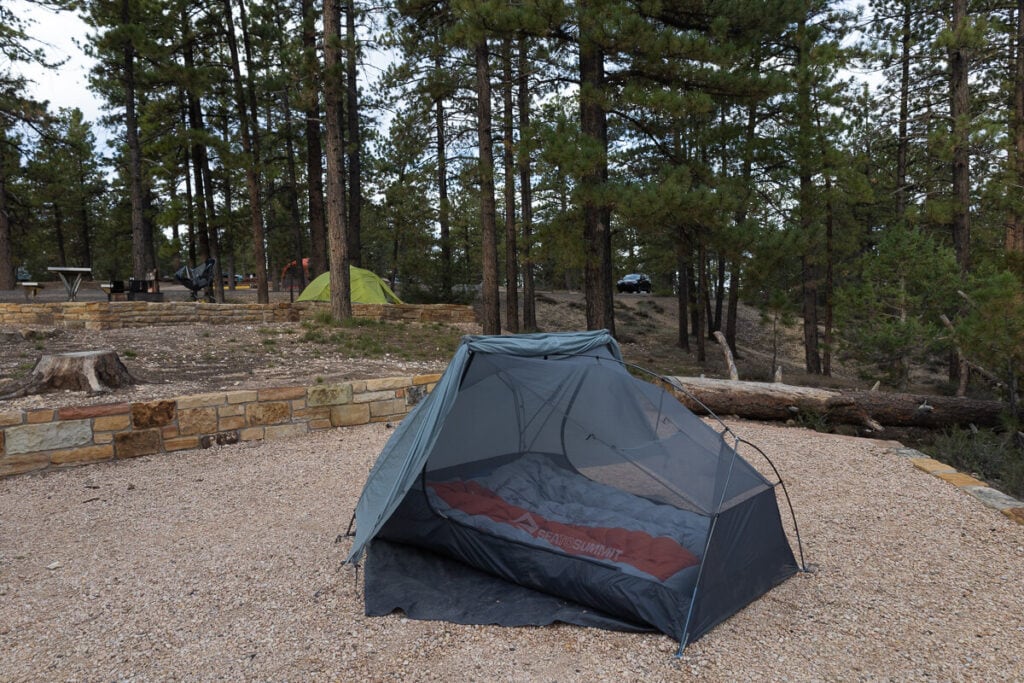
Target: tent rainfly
366,288
540,481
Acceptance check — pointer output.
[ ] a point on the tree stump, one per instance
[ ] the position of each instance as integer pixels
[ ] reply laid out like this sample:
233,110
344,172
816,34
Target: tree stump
92,371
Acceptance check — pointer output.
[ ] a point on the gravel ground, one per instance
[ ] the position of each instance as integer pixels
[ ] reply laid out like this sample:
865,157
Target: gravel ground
224,564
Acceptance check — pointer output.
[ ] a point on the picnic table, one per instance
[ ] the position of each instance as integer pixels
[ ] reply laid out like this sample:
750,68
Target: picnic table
71,277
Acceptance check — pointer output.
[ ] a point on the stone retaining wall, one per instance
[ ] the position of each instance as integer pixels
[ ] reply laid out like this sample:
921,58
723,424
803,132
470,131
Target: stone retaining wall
105,315
41,439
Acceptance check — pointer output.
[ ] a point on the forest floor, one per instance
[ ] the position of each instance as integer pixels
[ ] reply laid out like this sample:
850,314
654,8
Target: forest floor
196,358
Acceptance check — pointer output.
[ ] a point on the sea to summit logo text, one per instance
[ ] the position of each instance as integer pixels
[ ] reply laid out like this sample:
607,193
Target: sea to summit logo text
567,542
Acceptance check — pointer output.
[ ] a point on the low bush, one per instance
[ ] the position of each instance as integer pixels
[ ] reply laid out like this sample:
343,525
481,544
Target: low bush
997,457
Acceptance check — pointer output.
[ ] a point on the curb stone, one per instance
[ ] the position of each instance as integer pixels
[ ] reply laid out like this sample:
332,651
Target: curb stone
990,497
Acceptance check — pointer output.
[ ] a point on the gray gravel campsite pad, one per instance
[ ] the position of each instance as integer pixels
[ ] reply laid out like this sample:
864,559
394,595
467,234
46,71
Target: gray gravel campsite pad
226,564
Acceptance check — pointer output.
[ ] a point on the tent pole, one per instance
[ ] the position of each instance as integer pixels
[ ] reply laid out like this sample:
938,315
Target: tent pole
696,587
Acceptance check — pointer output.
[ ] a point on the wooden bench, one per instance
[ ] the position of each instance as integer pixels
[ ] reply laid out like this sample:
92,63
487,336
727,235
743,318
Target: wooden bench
31,288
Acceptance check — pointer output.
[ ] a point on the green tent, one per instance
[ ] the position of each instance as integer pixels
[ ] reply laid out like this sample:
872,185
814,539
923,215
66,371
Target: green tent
366,287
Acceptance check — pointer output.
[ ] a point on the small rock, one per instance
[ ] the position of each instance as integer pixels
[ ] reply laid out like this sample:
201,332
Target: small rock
54,565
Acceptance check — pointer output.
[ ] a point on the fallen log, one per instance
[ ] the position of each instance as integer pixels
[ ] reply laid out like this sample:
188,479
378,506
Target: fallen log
91,371
874,410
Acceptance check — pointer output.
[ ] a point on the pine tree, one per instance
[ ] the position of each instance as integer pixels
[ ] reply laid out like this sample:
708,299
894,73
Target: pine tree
337,217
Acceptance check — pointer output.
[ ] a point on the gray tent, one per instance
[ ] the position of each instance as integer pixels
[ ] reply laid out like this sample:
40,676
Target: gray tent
541,481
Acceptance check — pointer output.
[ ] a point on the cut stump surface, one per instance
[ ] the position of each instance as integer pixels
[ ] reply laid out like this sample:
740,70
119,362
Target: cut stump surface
90,371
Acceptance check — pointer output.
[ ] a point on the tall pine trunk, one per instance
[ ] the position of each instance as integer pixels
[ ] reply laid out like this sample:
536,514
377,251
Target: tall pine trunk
353,229
488,219
1015,223
293,191
209,244
140,251
7,278
341,302
903,143
291,166
84,237
700,331
597,271
525,187
250,147
509,164
826,356
314,148
443,214
190,204
959,111
746,173
683,288
807,198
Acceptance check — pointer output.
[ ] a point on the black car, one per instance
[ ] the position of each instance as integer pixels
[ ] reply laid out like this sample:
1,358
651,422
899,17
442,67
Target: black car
634,282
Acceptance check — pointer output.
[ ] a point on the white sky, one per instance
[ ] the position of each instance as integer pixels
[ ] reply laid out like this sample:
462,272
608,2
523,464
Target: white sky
66,86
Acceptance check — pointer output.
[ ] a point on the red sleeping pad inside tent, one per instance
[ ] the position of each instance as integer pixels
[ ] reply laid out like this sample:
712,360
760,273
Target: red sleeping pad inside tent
658,556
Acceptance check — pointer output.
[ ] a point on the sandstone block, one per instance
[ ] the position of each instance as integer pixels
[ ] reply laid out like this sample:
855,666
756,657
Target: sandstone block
231,410
1016,514
197,421
13,417
81,412
201,401
387,383
350,414
320,424
111,423
153,414
959,479
19,464
180,443
134,444
321,413
282,393
48,436
80,455
242,396
426,379
39,416
395,406
931,466
225,424
267,413
329,395
371,396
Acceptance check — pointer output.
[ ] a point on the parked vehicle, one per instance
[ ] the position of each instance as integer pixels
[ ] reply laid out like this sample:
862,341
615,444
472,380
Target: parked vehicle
634,282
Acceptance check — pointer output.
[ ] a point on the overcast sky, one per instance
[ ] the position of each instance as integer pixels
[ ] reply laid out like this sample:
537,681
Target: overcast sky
67,85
